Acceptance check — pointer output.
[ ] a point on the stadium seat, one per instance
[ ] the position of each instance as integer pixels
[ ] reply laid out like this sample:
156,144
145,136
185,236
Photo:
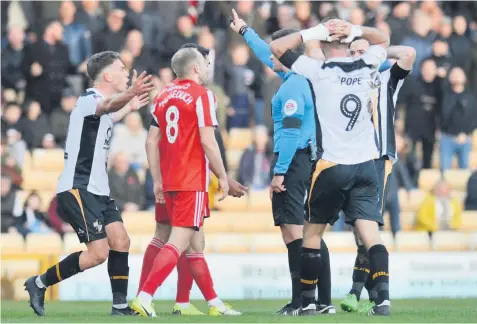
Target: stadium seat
388,240
233,204
474,140
457,178
259,201
239,138
340,241
40,180
407,220
473,241
267,243
140,222
450,241
27,162
229,243
428,179
139,242
413,242
233,158
411,202
72,244
12,243
46,197
473,160
469,221
217,223
44,243
48,160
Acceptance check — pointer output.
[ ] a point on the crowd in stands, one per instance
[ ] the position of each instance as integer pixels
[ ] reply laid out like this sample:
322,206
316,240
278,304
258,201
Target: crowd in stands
45,46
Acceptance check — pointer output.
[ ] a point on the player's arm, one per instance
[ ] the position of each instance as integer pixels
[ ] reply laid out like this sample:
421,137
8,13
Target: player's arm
346,32
153,159
118,101
405,56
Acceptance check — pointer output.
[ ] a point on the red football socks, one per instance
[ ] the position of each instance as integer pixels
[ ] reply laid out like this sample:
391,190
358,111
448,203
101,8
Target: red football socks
152,250
165,261
184,281
201,274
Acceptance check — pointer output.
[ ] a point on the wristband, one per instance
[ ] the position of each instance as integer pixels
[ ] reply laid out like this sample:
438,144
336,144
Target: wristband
319,32
243,30
279,174
356,31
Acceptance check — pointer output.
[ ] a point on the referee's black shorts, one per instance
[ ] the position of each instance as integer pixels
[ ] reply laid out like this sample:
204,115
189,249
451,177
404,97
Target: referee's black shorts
288,206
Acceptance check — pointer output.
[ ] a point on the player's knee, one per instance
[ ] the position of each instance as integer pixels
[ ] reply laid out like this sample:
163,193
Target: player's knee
291,233
121,243
99,255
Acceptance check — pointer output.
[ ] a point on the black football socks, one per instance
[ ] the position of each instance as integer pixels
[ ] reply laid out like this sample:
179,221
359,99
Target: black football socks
294,258
360,271
118,271
324,277
311,267
64,269
379,264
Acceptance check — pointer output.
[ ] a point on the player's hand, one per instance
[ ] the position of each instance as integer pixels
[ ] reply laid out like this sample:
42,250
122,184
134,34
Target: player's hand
142,84
36,69
139,101
235,22
224,186
277,184
159,193
236,189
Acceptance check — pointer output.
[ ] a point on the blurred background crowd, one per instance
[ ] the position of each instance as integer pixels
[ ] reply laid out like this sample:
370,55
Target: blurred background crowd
45,45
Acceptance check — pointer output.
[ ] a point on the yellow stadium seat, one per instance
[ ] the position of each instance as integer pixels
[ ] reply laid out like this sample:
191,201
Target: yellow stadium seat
229,243
473,160
46,197
413,242
267,243
239,138
44,243
450,241
233,158
27,162
231,204
217,223
469,221
40,180
259,201
48,160
473,241
411,202
139,242
428,179
141,222
72,244
457,178
12,243
407,220
340,241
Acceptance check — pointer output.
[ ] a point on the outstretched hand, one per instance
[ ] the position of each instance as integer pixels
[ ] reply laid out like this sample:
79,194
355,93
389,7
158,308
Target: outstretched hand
141,84
235,22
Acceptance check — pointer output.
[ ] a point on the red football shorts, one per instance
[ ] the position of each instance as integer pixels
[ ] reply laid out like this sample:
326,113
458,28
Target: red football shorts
184,209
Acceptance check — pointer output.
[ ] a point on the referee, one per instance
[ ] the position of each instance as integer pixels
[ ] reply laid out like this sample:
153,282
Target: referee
295,150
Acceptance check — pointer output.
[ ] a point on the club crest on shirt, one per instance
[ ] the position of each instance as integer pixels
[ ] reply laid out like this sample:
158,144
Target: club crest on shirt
290,107
107,138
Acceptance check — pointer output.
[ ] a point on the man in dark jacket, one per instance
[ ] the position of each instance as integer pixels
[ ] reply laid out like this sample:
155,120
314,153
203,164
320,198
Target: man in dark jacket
60,118
12,57
45,66
175,39
113,37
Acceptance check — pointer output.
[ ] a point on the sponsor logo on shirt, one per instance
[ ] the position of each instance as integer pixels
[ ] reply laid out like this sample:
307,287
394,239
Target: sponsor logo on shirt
290,107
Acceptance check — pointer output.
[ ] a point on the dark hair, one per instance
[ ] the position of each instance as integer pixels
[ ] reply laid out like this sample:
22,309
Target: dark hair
202,50
354,40
300,50
98,62
32,194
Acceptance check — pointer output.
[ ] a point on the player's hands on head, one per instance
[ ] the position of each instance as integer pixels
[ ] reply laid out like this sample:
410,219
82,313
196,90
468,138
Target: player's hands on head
235,22
277,184
224,186
236,189
159,193
141,84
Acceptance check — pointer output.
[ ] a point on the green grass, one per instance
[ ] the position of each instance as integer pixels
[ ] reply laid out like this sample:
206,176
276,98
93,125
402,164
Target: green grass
255,311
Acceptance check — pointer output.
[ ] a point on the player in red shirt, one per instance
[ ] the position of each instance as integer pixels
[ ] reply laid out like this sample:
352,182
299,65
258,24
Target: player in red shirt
163,228
185,114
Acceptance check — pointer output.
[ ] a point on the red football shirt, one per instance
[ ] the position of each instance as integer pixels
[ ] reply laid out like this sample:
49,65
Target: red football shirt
180,110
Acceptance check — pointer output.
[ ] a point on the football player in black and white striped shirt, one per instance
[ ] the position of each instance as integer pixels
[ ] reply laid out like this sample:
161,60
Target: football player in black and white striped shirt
390,82
83,187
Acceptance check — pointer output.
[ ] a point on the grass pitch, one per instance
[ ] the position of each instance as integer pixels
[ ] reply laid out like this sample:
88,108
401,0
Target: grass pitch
255,311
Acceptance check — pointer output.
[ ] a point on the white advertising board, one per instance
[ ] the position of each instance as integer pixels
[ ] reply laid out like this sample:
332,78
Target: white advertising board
266,276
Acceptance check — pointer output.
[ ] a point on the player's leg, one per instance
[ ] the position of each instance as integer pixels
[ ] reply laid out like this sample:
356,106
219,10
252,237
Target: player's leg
82,211
324,305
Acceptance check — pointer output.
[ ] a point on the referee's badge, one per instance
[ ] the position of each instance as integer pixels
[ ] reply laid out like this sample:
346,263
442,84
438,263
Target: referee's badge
290,107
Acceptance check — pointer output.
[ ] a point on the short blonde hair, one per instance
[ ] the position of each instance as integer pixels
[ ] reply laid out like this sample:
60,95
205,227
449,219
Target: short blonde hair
183,59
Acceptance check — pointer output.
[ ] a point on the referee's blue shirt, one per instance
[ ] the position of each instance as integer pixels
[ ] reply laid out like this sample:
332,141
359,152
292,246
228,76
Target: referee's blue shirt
293,108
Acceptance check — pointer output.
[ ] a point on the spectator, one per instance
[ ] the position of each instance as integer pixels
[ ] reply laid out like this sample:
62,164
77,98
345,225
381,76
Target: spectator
254,166
471,198
16,146
60,118
442,57
422,97
34,125
32,219
420,39
10,205
149,197
371,8
239,78
458,120
445,28
460,44
439,211
357,16
304,14
149,24
142,59
127,58
112,38
130,138
126,189
45,66
286,18
245,9
399,21
166,75
55,221
91,15
12,57
48,142
11,117
76,36
176,38
10,167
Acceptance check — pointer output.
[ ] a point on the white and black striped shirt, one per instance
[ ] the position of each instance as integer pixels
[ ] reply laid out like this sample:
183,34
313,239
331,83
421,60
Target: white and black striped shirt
87,146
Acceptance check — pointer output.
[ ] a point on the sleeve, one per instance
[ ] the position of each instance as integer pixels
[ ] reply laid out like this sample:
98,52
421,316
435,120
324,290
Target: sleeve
375,55
301,64
293,106
88,103
205,109
154,121
260,48
398,72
